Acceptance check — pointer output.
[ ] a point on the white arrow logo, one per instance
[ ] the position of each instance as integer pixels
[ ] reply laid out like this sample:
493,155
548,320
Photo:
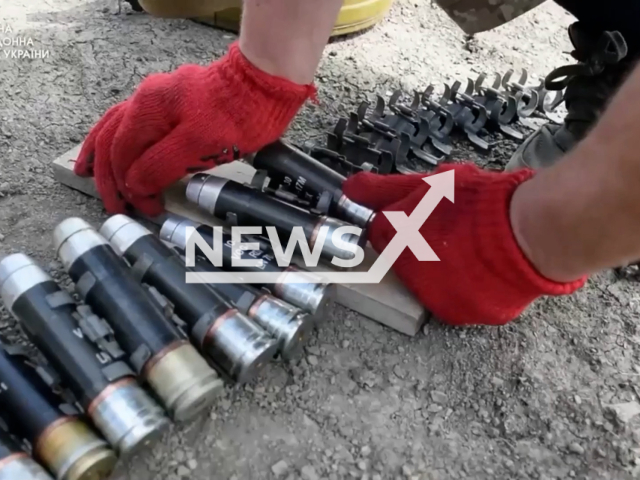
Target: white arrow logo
407,235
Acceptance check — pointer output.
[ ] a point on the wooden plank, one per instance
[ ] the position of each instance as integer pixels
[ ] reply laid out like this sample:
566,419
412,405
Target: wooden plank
388,302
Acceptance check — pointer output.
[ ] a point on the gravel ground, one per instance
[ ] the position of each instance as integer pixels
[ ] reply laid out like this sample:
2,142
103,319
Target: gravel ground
551,396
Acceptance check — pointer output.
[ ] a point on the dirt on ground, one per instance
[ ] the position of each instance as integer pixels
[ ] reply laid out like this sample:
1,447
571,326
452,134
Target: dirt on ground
551,396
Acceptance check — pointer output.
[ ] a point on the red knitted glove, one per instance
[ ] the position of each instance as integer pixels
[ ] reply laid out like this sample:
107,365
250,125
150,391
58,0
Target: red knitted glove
482,276
184,122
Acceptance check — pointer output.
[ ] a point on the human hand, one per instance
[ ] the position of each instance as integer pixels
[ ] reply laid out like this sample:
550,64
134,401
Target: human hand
482,276
184,122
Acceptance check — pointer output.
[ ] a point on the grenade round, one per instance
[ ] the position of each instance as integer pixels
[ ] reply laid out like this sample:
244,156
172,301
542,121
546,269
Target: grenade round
156,349
288,324
63,443
15,464
229,200
104,385
307,292
303,175
234,343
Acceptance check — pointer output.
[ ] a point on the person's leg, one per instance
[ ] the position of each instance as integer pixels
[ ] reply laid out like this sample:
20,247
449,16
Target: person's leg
606,47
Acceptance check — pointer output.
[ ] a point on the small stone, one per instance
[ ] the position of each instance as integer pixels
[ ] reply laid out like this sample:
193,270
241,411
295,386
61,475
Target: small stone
192,464
344,454
280,468
313,360
433,408
624,412
345,343
313,350
439,397
497,381
407,471
377,476
1,237
362,465
183,471
399,372
309,473
577,399
365,451
576,448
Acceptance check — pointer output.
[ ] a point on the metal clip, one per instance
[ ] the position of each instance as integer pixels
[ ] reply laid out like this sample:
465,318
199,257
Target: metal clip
358,149
259,180
401,119
232,219
468,115
336,161
503,110
51,378
98,331
526,98
324,203
440,121
168,309
160,300
403,133
408,112
548,101
289,197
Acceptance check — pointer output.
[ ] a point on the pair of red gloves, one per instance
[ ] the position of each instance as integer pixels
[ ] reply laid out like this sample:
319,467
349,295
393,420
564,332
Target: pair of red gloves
196,117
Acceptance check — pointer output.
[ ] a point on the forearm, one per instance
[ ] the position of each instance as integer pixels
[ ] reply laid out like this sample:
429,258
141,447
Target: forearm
286,37
583,214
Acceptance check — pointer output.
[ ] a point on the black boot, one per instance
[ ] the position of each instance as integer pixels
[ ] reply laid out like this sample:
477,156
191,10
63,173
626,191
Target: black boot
602,67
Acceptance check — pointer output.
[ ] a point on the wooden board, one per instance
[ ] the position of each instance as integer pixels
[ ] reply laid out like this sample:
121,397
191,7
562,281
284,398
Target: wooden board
388,302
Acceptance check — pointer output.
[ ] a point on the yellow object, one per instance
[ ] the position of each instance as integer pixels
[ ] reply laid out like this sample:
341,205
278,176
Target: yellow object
355,16
187,8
